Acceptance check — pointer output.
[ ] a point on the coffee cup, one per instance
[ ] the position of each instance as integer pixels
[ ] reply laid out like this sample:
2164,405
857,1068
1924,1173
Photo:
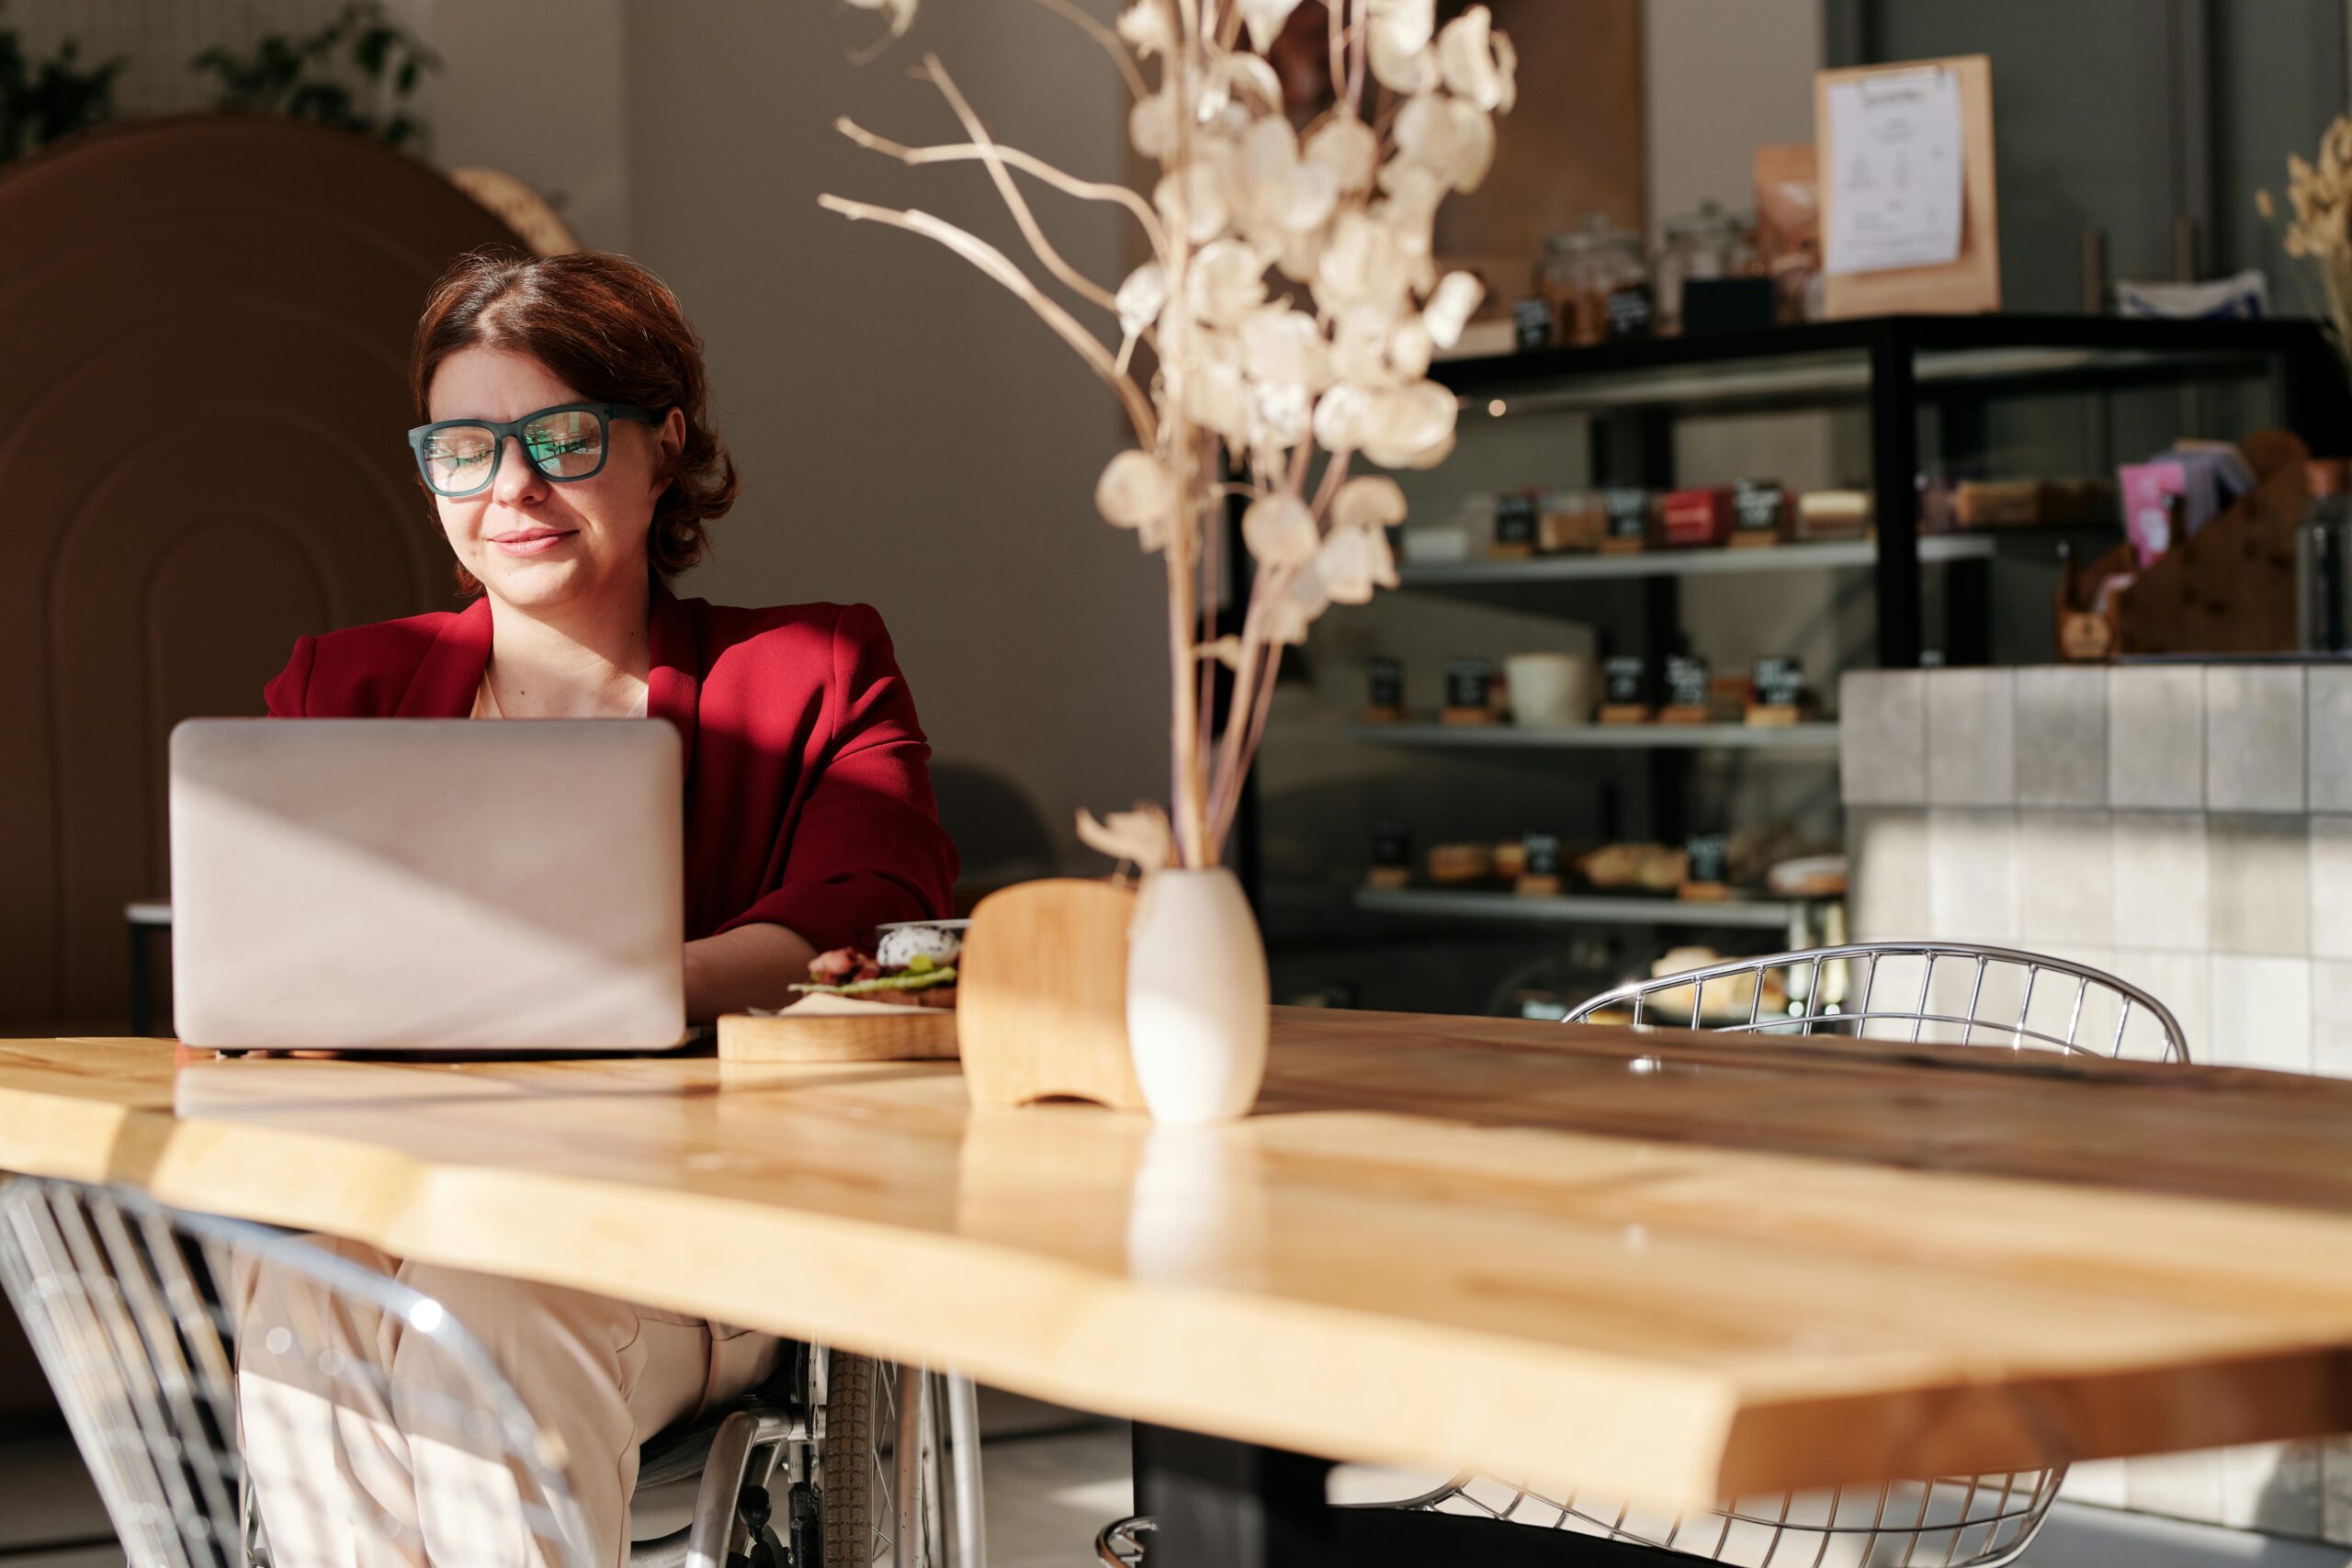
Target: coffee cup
1550,689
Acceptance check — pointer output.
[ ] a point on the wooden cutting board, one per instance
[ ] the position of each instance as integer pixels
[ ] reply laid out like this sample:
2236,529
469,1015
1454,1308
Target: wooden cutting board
878,1034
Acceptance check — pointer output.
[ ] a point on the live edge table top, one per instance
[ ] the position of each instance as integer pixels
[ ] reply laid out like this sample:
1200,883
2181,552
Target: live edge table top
1677,1264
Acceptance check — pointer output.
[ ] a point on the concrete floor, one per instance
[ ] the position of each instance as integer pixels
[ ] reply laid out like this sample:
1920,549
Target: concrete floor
1050,1487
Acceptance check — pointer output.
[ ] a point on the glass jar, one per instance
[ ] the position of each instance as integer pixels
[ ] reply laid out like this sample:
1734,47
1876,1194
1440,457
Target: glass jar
1708,243
1584,270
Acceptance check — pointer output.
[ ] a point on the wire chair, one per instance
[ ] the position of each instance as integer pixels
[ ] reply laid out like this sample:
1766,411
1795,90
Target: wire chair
145,1317
1960,995
132,1309
1926,992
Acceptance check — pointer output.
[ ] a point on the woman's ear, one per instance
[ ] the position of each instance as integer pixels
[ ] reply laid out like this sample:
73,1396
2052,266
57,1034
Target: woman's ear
672,437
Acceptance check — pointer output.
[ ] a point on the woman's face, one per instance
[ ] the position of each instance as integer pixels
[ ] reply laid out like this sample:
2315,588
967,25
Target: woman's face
531,541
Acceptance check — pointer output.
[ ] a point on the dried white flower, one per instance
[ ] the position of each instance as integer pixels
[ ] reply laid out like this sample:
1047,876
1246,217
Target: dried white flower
1410,350
901,12
1349,148
1202,187
1280,530
1478,63
1406,24
1142,298
1282,191
1399,69
1148,29
1141,837
1265,19
1451,307
1226,651
1280,344
1151,126
1238,76
1409,427
1217,396
1363,266
1137,492
1284,415
1368,501
1293,610
1352,563
1228,281
1339,416
1445,135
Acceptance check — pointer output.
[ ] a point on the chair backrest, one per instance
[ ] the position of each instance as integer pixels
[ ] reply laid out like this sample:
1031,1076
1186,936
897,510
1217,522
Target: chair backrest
174,1339
1925,992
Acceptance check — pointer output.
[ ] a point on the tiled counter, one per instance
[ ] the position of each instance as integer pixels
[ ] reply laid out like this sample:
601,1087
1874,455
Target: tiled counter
2187,828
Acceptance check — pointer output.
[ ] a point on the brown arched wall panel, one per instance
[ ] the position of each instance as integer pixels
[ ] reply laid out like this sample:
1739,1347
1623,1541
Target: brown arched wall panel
202,395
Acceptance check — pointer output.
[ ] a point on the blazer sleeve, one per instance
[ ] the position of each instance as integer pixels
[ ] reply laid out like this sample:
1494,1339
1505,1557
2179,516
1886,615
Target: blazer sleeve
867,847
289,695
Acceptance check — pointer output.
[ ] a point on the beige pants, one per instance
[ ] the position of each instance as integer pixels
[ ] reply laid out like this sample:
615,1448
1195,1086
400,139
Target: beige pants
368,1448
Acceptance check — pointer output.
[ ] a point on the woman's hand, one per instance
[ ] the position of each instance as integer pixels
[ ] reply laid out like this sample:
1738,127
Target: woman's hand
750,966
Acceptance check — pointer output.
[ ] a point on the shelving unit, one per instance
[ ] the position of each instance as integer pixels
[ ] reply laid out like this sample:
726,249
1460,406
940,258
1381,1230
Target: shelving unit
1892,366
1801,739
1916,380
1825,556
1792,916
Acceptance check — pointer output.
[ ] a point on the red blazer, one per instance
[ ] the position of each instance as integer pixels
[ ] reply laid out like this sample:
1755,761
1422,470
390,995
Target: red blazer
807,794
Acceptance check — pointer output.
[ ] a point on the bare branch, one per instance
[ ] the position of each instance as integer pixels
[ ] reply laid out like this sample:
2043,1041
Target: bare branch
1106,38
998,266
1027,162
1075,281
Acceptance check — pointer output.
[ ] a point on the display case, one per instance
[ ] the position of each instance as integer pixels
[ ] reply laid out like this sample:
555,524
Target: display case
1413,843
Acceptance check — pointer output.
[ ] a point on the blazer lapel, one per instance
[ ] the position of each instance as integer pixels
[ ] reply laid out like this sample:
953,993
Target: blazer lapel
444,684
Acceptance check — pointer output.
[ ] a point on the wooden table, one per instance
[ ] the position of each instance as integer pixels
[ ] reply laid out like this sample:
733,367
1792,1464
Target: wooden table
1680,1265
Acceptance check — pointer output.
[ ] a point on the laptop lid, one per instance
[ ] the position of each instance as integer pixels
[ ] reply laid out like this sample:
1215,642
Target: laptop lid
427,885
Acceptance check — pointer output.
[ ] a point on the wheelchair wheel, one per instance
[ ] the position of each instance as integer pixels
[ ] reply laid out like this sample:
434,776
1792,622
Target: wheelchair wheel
872,1494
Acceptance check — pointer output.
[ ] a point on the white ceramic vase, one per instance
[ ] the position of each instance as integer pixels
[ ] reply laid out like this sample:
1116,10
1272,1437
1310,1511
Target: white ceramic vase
1196,997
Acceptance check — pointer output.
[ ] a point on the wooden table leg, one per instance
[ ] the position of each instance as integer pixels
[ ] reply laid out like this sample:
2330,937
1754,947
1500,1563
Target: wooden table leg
1220,1504
1229,1505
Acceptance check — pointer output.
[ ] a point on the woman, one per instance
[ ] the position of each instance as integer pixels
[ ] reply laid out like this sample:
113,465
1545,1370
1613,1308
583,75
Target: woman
566,445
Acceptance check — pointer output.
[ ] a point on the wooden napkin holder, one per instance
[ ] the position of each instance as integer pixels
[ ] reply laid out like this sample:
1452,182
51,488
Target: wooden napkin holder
1041,996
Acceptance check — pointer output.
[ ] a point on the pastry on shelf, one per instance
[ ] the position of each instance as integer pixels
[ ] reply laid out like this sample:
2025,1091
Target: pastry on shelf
1645,868
1454,866
1808,876
1730,998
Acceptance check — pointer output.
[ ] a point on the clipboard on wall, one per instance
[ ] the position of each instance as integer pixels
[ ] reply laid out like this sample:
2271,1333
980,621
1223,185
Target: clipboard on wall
1971,281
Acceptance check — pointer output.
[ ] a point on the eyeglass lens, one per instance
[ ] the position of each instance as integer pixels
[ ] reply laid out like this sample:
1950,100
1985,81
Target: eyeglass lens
566,445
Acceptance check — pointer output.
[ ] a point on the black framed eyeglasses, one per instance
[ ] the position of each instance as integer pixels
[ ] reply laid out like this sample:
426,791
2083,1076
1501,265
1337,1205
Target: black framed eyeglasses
460,457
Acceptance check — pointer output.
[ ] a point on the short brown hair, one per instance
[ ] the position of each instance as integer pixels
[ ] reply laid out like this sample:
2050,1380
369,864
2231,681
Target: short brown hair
613,331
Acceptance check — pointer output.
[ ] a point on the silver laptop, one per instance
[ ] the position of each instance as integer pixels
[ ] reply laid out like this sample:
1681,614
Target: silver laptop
437,885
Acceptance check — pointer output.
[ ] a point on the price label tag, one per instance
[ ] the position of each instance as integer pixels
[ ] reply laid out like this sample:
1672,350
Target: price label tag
1709,857
1542,854
1392,844
1387,682
1630,311
1686,682
1779,681
1627,677
1469,683
1758,506
1531,324
1629,511
1515,517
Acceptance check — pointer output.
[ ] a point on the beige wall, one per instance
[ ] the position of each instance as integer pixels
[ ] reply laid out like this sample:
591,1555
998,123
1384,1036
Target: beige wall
911,437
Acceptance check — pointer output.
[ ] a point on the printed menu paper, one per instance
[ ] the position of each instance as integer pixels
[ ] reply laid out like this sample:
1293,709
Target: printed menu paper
1894,198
